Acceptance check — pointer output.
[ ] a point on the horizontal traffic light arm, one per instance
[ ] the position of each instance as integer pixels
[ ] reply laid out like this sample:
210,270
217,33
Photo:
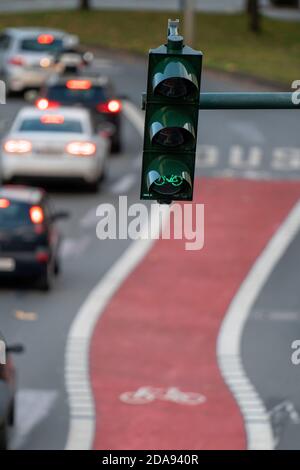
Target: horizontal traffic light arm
248,101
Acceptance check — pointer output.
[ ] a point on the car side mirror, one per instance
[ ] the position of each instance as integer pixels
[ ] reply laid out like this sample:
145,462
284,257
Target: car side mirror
17,348
60,215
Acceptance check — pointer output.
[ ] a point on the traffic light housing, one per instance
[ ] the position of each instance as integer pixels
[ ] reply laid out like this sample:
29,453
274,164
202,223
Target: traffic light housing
171,123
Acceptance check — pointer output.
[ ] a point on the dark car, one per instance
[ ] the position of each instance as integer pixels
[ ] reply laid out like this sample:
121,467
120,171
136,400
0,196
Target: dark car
95,93
7,389
29,237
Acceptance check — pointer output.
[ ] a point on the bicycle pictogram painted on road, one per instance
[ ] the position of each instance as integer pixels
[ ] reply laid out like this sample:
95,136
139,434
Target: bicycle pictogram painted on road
145,395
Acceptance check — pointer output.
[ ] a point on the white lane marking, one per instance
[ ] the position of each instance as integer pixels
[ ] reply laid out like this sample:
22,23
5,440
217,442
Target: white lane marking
259,435
32,407
123,185
89,219
248,131
82,419
207,156
135,116
239,159
74,247
286,159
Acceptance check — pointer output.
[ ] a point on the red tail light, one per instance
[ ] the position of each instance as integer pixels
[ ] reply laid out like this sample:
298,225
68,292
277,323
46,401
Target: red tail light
78,84
52,119
43,104
81,149
4,203
36,215
112,106
17,60
42,257
17,146
45,39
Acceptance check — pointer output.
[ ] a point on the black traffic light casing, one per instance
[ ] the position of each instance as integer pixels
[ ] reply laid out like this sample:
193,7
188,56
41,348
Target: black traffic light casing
171,122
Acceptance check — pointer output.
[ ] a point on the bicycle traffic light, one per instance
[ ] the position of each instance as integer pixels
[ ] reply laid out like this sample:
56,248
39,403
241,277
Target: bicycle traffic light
171,123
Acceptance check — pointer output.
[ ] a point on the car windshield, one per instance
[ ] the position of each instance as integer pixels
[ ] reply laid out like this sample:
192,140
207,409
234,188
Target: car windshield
41,45
14,214
39,125
65,95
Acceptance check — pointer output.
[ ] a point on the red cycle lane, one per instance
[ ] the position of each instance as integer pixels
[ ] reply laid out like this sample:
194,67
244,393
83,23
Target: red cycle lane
160,328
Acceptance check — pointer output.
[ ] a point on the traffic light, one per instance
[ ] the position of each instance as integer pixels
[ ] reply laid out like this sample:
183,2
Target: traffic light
172,107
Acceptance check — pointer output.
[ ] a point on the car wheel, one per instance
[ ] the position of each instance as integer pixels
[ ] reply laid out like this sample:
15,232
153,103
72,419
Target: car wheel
57,267
11,416
93,187
116,146
3,437
46,280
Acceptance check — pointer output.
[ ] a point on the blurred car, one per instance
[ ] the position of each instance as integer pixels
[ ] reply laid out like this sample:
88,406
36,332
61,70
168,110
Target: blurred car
57,144
29,237
7,392
72,60
94,93
26,55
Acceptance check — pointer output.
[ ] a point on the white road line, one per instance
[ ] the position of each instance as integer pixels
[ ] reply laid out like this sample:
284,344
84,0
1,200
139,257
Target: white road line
135,116
123,185
248,131
32,407
74,247
259,434
89,219
82,420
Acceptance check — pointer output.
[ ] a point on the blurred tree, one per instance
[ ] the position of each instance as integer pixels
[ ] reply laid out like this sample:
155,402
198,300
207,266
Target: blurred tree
84,4
254,15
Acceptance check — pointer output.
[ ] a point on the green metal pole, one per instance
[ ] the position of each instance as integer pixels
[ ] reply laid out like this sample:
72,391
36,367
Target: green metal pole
248,101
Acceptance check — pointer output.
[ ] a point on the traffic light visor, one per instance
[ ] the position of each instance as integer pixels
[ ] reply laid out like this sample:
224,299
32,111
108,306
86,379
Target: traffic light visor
175,78
172,129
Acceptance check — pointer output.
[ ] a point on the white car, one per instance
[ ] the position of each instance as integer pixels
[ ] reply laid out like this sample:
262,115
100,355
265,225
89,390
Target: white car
58,143
27,55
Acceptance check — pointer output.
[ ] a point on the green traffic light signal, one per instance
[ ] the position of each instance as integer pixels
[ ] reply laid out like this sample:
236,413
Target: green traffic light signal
172,107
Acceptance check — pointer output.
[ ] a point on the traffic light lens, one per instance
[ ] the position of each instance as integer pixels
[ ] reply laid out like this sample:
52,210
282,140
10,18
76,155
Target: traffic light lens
168,177
171,137
175,87
169,185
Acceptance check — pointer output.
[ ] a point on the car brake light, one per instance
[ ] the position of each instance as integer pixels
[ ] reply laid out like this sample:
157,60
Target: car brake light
112,106
17,60
45,39
81,149
4,203
42,256
44,103
17,146
52,119
36,215
78,84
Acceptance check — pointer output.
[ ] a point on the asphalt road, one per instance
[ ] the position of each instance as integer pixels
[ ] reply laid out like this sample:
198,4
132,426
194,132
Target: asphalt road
256,145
